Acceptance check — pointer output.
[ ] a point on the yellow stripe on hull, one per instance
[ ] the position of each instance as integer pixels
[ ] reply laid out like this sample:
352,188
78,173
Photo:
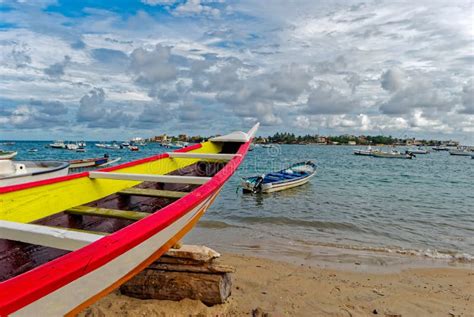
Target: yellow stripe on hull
34,203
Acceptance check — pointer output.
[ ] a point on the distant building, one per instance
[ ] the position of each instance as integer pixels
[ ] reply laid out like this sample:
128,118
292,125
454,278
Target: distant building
182,137
352,143
160,138
322,139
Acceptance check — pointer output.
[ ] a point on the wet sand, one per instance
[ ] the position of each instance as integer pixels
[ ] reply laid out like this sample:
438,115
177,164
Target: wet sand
280,288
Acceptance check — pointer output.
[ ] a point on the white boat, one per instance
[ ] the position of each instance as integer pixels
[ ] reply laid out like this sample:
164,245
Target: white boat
32,150
392,154
296,175
101,145
72,146
418,151
461,152
6,155
113,147
58,145
440,148
19,172
366,152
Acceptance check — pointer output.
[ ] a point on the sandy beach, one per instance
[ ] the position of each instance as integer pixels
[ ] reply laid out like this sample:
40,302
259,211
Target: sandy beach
264,287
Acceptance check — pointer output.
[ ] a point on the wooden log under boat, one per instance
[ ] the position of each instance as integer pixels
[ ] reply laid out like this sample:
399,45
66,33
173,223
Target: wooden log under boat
52,280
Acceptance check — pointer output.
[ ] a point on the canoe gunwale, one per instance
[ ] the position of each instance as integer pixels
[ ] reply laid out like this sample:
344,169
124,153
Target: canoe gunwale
20,291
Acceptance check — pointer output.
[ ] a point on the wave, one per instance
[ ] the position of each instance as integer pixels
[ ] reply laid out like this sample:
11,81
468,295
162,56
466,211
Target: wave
428,253
298,222
214,224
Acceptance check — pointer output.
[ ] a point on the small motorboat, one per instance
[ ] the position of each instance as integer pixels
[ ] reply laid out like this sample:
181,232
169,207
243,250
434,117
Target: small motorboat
32,150
393,154
6,155
366,152
19,172
461,152
295,175
72,146
418,151
58,145
133,148
92,162
68,241
440,148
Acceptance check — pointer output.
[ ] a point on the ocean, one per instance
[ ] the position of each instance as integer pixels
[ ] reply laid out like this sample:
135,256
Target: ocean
423,206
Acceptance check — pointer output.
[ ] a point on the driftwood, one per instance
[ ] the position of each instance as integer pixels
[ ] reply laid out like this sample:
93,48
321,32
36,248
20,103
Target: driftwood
188,272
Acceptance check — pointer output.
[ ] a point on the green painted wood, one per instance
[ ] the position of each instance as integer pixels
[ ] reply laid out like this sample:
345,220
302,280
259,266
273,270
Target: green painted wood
109,213
152,193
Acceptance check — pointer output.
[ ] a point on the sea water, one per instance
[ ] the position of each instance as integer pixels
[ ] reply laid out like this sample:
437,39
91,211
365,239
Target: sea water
421,206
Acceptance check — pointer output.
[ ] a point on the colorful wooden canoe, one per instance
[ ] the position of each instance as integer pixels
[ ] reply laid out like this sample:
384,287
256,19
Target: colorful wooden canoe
67,241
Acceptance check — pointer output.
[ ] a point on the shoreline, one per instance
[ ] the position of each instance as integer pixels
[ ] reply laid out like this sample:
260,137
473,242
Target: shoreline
281,288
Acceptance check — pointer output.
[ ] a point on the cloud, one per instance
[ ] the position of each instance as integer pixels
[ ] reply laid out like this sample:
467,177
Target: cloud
195,7
153,67
420,93
326,99
392,80
35,114
91,106
57,69
110,56
468,98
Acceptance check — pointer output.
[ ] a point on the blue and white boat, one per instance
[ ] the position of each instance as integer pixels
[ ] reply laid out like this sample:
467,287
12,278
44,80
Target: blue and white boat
295,175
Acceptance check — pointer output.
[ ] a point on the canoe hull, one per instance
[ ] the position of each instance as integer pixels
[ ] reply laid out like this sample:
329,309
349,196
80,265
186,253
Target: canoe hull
8,155
278,187
90,287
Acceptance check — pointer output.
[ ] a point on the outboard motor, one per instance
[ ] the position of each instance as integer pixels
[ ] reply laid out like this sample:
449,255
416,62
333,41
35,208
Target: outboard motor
257,188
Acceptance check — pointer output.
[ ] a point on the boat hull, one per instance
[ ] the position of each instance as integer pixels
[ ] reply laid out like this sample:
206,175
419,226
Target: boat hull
392,156
75,296
54,172
8,155
461,153
271,188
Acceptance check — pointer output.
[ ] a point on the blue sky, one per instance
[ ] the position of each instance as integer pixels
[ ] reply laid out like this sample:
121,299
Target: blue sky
118,69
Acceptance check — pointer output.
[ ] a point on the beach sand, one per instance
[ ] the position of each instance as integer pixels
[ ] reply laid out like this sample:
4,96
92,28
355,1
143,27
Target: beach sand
276,288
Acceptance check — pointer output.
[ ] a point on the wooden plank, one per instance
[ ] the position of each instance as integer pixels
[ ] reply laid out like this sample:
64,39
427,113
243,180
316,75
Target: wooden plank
109,213
152,193
175,179
53,237
206,156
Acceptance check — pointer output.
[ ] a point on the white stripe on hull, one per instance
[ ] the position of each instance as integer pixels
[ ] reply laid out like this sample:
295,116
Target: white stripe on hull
80,290
278,187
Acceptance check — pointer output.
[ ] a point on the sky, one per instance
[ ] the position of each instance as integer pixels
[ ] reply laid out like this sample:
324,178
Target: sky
102,70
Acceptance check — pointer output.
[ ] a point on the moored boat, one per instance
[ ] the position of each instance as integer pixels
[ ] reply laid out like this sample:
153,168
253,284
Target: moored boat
6,155
440,148
366,152
58,145
92,162
54,265
461,152
392,154
19,172
133,148
418,151
296,175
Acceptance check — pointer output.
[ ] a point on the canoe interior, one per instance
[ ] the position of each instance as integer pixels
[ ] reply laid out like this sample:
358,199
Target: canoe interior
18,257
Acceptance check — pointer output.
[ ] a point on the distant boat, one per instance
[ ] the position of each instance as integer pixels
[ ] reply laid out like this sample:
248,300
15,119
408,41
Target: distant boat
367,152
125,144
134,148
72,146
461,152
7,143
92,162
33,150
113,147
19,172
58,145
170,145
440,148
6,155
393,154
295,175
418,151
101,145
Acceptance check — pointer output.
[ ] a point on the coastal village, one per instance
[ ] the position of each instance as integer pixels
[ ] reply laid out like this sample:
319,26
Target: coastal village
291,138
